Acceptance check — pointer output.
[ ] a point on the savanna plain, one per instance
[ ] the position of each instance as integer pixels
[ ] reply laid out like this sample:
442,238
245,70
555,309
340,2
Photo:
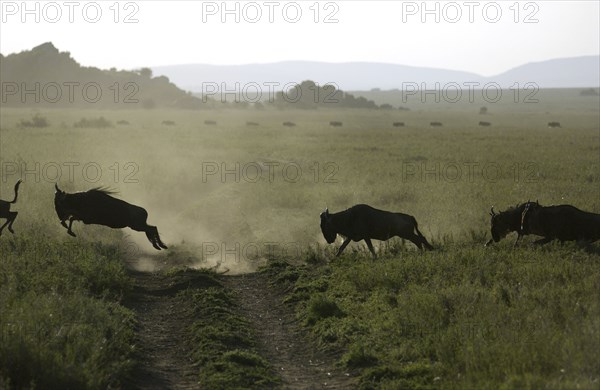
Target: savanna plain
238,205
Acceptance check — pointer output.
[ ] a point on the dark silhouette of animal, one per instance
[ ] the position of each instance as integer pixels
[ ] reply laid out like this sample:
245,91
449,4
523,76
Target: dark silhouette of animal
554,124
336,124
435,124
251,124
123,122
562,222
5,210
289,124
210,123
506,222
168,123
484,124
363,222
96,206
398,124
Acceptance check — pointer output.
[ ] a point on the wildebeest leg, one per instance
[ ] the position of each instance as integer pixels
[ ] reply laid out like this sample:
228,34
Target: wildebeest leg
489,242
370,245
344,245
517,241
2,227
69,227
543,241
422,240
11,220
152,239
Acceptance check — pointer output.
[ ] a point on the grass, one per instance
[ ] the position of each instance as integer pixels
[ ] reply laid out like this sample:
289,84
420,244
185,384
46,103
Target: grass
224,342
62,324
458,317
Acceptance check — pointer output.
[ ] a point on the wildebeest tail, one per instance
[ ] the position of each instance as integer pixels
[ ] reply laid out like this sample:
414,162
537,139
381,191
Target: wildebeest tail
16,191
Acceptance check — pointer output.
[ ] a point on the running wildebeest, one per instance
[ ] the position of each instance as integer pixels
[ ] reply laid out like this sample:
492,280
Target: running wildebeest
562,222
96,206
363,222
553,124
335,124
251,123
5,210
289,124
435,124
398,124
507,221
210,123
168,123
484,124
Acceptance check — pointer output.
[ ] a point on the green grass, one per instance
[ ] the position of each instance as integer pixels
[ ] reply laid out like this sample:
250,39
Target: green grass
62,324
457,317
224,342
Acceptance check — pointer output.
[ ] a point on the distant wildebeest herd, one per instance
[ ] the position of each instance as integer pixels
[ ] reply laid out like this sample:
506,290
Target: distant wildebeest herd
359,222
340,124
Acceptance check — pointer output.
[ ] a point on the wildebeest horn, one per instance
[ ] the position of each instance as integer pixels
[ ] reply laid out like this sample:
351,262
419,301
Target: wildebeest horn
492,211
56,187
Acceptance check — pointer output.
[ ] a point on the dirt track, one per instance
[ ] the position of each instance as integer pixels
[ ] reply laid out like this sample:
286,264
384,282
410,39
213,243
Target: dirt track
281,339
162,325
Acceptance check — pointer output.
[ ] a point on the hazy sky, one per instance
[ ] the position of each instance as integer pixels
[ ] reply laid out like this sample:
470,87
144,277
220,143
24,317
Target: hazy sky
478,36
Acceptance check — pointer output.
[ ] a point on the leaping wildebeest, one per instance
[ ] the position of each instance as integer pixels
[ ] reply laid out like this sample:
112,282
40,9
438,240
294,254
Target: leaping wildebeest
5,210
96,206
363,222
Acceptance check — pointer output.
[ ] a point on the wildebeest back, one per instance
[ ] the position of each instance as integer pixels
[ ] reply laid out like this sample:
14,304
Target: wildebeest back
363,221
563,222
97,207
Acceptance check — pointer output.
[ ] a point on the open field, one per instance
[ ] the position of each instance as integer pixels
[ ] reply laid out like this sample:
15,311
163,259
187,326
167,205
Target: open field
235,197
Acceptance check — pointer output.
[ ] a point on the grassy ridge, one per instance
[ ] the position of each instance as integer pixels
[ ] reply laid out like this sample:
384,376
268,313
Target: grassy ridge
62,324
460,317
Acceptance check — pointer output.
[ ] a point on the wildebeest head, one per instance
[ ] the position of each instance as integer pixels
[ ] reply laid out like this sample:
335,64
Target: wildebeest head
59,203
326,228
500,225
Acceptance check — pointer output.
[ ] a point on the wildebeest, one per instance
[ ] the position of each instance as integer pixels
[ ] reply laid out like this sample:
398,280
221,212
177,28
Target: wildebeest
251,124
553,124
168,123
210,123
363,222
123,122
507,221
398,124
435,124
289,124
562,222
5,210
484,124
96,206
336,124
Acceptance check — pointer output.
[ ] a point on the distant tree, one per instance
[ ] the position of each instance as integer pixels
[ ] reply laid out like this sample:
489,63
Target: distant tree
146,72
386,106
